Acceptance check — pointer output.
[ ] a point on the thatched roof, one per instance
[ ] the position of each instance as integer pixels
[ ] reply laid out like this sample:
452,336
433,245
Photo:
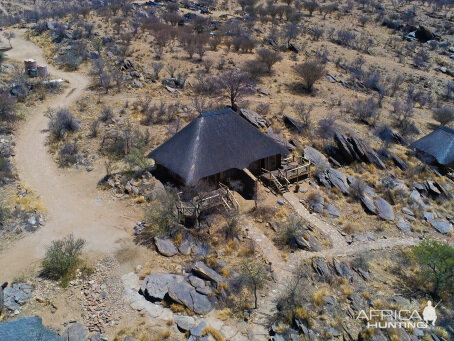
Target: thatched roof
439,144
214,142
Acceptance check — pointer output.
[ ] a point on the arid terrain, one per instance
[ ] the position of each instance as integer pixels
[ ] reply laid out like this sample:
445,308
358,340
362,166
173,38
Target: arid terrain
92,241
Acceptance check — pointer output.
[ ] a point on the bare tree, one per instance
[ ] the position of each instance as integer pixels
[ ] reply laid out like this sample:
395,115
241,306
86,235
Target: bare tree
303,112
157,67
234,84
444,115
311,6
310,72
290,32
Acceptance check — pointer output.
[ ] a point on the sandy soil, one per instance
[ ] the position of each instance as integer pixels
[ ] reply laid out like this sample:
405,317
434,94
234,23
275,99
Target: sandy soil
72,201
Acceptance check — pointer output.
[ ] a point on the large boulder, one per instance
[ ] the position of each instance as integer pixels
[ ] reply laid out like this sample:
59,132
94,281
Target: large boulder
441,226
185,294
27,328
368,203
157,285
165,247
315,157
384,209
206,272
333,178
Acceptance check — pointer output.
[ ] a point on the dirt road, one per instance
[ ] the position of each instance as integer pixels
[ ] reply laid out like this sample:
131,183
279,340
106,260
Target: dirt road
72,202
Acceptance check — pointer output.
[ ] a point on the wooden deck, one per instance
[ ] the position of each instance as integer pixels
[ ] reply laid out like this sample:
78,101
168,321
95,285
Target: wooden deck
219,197
294,169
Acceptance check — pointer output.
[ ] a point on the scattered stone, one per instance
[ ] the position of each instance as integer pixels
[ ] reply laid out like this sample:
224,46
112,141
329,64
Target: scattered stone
404,225
407,211
342,269
368,204
320,266
333,211
333,177
198,330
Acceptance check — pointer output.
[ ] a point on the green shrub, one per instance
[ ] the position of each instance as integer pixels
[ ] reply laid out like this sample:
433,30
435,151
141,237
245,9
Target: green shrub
436,260
4,214
62,258
160,218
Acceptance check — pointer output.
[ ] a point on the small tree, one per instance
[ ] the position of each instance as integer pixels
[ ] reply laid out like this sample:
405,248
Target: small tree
444,115
254,276
311,6
62,258
436,260
310,72
290,32
8,36
268,57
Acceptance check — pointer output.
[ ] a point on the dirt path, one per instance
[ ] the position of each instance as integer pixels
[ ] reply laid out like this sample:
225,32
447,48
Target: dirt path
71,199
337,239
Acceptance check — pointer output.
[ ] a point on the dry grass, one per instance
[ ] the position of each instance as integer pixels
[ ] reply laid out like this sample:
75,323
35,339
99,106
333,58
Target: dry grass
317,296
214,333
30,202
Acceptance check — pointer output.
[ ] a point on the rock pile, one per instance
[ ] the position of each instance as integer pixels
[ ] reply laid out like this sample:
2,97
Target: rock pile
102,293
146,186
254,118
16,296
194,291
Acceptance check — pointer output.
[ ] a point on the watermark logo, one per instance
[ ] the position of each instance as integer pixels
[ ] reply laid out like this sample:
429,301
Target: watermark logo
404,318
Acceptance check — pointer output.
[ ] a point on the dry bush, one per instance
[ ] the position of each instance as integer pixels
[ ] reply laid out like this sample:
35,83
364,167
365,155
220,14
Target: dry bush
444,114
268,57
309,72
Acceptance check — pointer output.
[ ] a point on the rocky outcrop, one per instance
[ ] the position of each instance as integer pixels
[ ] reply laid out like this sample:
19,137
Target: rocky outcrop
254,118
192,292
156,286
333,178
185,294
352,149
